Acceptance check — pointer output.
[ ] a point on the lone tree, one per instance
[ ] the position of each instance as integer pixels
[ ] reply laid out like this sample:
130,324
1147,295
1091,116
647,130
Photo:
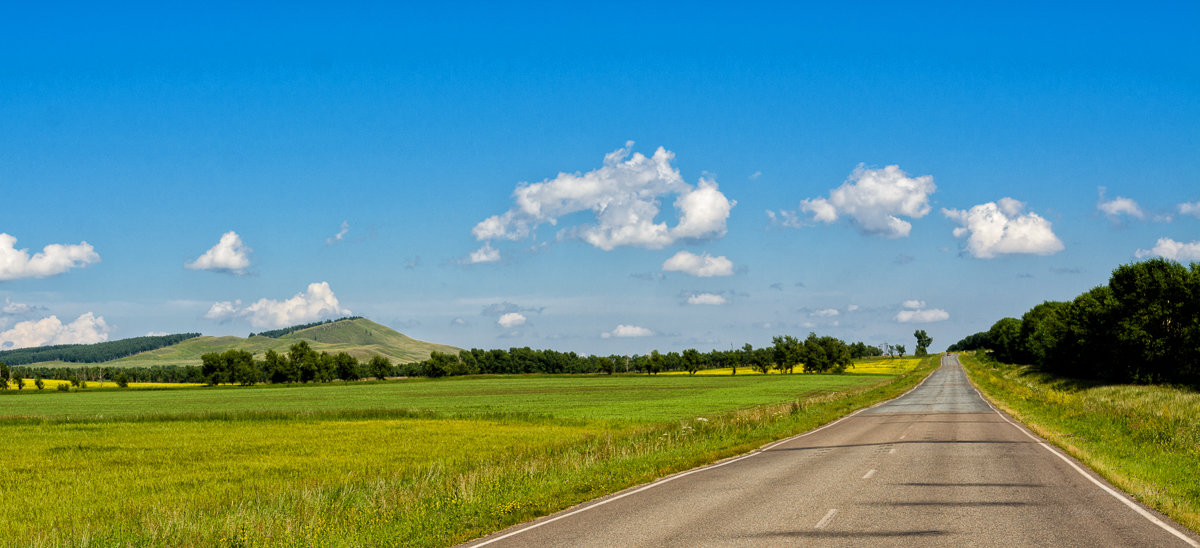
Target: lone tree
923,342
692,360
379,367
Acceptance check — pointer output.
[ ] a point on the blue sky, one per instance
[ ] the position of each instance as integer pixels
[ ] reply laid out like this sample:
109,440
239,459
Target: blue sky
150,132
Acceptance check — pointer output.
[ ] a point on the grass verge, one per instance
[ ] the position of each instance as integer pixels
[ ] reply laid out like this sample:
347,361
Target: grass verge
1143,439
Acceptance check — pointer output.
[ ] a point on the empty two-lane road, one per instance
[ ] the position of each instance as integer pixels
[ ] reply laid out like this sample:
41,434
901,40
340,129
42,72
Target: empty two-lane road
937,466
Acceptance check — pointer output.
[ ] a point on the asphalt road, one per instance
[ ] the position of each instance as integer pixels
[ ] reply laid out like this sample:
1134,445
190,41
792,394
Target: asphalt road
937,466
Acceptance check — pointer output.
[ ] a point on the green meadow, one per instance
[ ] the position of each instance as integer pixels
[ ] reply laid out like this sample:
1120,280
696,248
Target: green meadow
626,398
1145,439
415,462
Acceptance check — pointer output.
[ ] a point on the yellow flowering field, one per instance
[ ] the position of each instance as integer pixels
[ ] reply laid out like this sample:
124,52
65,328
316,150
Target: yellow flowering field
52,384
885,366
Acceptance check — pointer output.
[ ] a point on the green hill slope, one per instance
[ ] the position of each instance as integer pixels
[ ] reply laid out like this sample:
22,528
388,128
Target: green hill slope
359,337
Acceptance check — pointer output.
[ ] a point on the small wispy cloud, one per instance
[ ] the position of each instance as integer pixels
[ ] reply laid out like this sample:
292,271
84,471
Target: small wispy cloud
510,320
627,331
915,312
341,235
706,299
499,309
1118,207
1190,208
702,266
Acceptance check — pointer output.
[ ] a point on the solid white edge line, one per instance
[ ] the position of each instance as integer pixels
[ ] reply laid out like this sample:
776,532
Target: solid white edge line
617,497
667,479
825,520
1125,500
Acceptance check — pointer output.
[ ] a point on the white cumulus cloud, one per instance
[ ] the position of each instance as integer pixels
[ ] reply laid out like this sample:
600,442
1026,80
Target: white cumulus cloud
873,200
703,266
623,196
86,329
625,331
53,259
315,303
229,255
1119,206
706,298
826,313
511,319
1171,249
914,304
1002,229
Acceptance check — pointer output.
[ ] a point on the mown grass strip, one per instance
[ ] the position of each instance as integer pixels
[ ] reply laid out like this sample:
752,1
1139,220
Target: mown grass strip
1143,439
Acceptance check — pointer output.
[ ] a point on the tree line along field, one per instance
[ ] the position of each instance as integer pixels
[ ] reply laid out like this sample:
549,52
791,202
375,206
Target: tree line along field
352,348
304,362
420,461
1141,327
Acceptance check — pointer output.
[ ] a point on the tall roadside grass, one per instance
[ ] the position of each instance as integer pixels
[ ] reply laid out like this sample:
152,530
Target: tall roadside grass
1143,439
357,478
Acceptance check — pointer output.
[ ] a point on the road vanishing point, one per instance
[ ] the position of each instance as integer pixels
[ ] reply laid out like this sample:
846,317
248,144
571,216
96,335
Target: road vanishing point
938,466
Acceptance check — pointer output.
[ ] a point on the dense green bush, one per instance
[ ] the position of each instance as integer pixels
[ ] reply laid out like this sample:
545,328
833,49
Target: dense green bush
1144,327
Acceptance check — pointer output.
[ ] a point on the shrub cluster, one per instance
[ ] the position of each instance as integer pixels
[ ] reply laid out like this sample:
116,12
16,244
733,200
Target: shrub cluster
1143,327
300,364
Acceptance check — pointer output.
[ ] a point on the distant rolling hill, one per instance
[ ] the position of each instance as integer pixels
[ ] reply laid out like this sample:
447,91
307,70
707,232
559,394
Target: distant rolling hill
359,337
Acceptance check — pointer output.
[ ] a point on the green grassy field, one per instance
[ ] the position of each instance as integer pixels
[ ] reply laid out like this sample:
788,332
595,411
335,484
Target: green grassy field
429,462
629,398
1144,439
